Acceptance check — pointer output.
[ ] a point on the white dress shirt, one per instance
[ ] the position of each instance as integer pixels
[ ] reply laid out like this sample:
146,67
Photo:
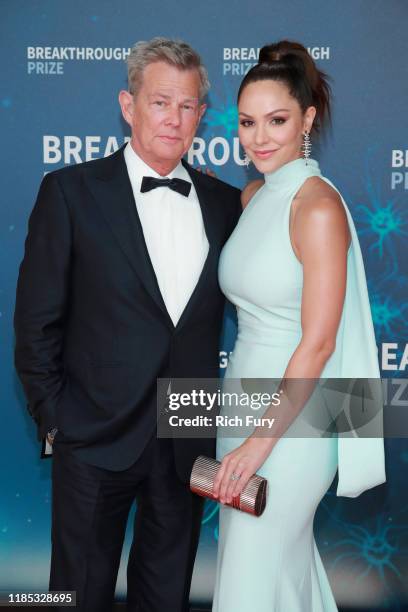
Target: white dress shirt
174,232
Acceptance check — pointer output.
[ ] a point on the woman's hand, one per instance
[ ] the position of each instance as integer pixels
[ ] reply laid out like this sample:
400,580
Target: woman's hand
208,171
240,464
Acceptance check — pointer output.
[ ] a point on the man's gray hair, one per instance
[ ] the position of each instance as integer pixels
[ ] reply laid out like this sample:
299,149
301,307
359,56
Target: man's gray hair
174,52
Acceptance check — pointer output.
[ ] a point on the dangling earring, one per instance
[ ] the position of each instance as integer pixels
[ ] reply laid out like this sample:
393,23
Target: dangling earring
306,147
247,160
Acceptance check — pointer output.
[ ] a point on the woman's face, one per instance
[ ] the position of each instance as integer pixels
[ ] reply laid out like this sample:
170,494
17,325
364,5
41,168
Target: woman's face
271,124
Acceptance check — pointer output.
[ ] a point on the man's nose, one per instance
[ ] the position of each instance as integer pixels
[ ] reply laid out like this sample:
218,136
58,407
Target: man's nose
174,116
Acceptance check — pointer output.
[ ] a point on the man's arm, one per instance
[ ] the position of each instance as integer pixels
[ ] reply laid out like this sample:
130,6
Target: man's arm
41,304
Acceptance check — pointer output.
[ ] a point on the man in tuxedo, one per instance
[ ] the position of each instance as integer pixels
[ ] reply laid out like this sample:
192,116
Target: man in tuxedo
118,287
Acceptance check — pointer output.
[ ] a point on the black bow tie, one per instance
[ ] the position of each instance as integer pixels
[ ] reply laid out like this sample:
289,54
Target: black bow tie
176,184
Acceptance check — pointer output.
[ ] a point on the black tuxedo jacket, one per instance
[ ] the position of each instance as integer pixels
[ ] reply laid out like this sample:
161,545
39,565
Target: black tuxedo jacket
92,331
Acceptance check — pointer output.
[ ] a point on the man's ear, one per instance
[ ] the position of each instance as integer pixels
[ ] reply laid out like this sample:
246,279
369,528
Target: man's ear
201,112
126,105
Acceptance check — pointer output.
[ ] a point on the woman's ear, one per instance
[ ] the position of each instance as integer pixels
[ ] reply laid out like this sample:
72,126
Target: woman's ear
309,117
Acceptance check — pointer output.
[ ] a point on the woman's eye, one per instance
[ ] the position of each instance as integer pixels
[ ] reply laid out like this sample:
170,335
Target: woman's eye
246,123
278,121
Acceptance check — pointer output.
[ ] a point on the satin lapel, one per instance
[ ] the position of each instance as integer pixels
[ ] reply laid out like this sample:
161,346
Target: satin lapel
113,193
205,194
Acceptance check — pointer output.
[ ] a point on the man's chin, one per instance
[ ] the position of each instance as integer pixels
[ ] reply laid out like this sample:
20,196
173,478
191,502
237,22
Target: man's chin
170,152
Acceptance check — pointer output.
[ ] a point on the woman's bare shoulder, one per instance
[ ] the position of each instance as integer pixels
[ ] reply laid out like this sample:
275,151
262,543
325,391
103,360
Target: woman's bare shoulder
250,190
319,210
318,196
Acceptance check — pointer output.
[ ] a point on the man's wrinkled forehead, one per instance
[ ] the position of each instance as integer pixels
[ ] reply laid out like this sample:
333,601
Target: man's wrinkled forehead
170,80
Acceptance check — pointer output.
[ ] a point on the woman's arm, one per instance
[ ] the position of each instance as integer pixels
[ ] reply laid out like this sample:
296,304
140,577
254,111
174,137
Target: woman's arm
321,238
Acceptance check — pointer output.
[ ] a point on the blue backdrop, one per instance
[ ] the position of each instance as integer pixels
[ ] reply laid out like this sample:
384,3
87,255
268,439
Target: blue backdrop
62,66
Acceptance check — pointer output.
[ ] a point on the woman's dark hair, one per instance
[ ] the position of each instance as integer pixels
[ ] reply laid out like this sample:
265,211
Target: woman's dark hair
291,63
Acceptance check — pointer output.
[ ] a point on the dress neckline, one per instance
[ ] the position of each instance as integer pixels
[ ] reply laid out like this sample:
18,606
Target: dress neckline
292,172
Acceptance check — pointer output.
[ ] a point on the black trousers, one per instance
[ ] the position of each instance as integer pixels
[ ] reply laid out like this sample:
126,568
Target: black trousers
89,515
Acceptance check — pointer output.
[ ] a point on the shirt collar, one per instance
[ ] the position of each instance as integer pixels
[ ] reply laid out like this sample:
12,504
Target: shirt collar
137,168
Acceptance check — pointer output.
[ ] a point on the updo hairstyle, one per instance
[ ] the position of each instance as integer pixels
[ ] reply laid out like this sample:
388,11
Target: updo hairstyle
290,63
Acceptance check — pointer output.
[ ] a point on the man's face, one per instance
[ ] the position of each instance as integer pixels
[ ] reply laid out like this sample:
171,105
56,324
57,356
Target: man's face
164,114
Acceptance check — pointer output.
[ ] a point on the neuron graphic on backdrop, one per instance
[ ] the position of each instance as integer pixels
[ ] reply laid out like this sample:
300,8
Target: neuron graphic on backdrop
222,115
377,549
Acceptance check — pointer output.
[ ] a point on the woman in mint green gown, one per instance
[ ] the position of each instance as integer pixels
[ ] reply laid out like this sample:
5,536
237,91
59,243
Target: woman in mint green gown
294,270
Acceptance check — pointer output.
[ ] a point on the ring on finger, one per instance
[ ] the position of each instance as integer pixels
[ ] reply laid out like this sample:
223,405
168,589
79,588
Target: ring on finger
235,476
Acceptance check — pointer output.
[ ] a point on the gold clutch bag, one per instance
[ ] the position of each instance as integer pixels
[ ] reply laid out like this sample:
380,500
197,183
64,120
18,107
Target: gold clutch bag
252,499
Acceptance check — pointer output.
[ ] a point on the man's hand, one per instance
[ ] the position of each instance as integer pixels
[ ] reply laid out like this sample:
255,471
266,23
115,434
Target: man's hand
207,171
51,435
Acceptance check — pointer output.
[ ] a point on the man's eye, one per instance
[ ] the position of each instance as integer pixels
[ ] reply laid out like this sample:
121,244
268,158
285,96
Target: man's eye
159,102
246,123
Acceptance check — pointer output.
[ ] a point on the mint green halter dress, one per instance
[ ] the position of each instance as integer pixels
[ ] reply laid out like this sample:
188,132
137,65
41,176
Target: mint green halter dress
271,563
